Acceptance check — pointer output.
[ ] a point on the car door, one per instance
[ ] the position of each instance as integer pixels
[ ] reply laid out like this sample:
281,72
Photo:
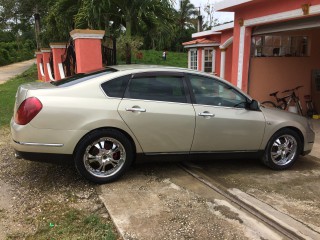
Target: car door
223,123
158,111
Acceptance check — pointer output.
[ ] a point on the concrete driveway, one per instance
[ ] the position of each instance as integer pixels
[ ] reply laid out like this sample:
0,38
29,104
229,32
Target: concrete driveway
12,70
161,201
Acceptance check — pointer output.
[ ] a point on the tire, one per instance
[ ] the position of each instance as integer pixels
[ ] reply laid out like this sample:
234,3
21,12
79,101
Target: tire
103,155
283,149
269,104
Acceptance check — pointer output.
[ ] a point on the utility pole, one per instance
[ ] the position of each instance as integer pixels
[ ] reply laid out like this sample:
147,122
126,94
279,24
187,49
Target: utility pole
37,27
199,21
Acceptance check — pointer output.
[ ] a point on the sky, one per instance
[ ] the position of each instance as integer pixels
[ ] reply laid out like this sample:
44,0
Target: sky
222,17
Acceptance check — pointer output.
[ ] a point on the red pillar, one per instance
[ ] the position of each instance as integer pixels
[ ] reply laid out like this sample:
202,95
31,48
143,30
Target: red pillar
58,50
88,49
46,55
39,66
246,59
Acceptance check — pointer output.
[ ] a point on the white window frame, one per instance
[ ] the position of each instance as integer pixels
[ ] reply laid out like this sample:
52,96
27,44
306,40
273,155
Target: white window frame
213,59
190,65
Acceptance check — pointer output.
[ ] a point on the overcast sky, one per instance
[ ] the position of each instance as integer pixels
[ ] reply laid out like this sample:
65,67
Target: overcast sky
222,17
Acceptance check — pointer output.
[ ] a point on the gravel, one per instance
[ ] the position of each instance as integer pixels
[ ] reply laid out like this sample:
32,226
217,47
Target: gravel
31,190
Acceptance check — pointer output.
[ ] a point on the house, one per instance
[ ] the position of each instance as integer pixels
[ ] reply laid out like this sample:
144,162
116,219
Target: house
271,46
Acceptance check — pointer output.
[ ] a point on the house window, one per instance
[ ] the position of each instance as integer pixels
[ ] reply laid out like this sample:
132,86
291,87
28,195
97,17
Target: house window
207,60
276,45
193,59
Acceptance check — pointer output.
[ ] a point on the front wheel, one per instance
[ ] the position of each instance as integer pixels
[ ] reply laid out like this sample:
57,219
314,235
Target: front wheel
103,155
282,150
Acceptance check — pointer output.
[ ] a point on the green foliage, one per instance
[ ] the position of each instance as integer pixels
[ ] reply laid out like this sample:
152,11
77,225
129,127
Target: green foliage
11,52
59,21
134,42
69,223
154,57
8,91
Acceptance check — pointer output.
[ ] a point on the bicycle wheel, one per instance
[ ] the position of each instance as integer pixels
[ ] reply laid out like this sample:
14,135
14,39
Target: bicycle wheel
269,104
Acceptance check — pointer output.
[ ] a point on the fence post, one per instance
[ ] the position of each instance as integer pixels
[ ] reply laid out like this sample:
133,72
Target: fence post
88,49
46,56
58,49
39,57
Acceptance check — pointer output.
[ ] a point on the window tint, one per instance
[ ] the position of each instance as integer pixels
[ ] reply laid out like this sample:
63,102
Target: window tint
81,77
209,91
158,88
116,87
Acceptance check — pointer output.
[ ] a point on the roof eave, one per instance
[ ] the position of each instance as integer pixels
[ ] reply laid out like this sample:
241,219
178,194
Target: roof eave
229,5
202,45
205,33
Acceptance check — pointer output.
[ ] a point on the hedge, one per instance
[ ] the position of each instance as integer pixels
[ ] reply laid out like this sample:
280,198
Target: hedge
11,52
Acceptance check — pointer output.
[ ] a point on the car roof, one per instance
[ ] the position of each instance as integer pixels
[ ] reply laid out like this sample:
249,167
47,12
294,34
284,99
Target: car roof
148,67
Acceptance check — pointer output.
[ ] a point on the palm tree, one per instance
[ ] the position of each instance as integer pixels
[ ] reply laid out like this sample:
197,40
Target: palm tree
187,21
137,11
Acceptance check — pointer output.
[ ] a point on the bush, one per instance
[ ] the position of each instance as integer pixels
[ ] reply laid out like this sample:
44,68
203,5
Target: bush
11,52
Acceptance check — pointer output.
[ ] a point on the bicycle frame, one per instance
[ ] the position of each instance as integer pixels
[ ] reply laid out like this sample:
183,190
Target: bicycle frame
286,100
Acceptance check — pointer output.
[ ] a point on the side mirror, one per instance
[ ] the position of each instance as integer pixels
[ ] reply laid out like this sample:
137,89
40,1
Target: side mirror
253,105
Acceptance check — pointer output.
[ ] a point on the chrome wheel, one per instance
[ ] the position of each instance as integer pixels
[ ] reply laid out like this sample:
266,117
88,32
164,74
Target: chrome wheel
284,150
104,157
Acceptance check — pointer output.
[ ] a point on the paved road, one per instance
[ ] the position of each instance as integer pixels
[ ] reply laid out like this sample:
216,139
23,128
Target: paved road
12,70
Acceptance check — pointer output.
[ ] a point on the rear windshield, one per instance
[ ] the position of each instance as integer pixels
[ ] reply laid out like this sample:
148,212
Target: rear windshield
81,77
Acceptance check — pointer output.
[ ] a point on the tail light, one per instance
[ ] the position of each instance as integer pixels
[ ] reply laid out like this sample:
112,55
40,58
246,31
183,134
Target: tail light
27,110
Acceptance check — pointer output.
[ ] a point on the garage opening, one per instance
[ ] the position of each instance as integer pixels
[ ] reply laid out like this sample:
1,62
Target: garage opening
286,55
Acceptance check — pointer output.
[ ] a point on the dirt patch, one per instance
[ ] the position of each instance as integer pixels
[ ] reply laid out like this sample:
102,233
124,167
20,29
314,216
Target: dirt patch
32,194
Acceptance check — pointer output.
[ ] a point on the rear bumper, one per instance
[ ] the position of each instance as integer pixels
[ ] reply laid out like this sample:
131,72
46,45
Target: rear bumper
26,138
45,157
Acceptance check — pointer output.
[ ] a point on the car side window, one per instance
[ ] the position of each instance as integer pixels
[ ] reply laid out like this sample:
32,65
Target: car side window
116,87
210,91
158,88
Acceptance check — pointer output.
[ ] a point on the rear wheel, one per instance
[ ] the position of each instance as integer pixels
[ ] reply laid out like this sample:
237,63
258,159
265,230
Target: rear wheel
269,104
282,150
103,155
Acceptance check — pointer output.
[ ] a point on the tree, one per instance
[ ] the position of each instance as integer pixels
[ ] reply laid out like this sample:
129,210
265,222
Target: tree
187,22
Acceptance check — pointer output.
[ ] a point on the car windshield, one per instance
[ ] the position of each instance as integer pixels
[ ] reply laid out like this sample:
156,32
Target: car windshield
81,77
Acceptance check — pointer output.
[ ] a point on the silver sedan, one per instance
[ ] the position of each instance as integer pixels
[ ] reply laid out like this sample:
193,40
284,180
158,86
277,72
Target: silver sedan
106,119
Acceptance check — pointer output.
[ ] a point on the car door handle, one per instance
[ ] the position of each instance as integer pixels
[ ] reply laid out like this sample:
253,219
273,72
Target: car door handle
135,109
206,114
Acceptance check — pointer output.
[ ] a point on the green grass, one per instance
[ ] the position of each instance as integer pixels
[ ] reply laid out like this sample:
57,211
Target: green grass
68,223
153,57
8,91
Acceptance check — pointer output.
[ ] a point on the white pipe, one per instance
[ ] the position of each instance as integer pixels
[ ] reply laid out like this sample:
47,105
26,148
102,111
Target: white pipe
223,63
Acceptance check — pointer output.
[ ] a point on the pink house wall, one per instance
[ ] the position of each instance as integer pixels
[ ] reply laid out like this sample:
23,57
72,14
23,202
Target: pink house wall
199,59
266,7
253,10
228,70
228,66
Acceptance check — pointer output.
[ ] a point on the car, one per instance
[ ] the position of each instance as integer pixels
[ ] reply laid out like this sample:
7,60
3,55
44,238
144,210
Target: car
105,120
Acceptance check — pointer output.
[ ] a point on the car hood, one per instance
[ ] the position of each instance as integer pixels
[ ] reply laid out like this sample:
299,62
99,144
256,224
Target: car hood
277,116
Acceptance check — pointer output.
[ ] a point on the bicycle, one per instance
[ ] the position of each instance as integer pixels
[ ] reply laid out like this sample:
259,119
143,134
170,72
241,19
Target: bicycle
284,102
309,104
